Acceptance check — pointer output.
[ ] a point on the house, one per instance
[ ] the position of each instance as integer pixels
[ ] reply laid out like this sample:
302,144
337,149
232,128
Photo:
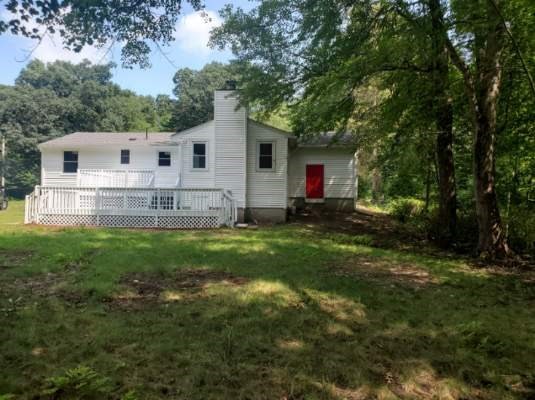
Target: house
226,170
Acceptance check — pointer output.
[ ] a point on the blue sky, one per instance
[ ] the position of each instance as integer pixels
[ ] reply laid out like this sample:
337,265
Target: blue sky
188,50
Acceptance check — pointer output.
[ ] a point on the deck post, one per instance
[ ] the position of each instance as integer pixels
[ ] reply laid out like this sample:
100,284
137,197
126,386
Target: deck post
97,205
37,203
157,207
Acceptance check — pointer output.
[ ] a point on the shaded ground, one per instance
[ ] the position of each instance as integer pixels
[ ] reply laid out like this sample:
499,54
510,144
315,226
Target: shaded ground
372,228
375,228
331,308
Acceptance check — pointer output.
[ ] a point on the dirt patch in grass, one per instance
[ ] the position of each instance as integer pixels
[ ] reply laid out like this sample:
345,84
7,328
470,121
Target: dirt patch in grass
14,258
142,289
384,272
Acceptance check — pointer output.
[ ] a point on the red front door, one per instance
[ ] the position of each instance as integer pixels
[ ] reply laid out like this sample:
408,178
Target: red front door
314,189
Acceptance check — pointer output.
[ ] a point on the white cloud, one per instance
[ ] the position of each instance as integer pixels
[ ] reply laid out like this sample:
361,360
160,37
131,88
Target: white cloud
51,47
193,31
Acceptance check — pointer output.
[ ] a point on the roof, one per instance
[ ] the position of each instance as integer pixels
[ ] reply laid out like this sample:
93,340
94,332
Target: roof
110,139
278,130
326,139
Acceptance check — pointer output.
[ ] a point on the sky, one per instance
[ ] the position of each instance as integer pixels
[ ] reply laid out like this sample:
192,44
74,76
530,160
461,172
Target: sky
188,50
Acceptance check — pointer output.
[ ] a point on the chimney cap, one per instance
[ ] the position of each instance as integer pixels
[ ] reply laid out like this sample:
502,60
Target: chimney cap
230,85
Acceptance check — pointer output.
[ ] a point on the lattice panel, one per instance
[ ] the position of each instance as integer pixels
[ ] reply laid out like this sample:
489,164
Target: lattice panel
188,222
87,200
137,202
133,221
67,220
128,221
112,202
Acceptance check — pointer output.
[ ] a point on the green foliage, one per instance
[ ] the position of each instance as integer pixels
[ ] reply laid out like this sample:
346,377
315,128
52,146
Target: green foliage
77,383
404,209
51,100
195,93
521,225
136,25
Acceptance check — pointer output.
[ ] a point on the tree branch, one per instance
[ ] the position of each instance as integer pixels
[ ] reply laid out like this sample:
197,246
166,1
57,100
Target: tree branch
515,45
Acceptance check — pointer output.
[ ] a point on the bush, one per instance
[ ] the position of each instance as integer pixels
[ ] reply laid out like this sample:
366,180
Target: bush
77,383
521,223
405,209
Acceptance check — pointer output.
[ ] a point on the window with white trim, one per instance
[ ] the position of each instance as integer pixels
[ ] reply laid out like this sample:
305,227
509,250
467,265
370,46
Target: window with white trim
266,156
70,162
199,155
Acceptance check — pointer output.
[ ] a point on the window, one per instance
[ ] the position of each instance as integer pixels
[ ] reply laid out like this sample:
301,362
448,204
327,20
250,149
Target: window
199,155
265,155
125,156
70,162
164,158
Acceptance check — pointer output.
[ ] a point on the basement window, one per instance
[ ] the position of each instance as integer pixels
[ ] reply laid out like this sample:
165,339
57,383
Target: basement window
70,162
125,156
199,155
164,158
266,153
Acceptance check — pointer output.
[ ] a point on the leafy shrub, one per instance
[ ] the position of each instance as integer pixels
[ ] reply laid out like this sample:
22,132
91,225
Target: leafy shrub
521,224
404,209
77,383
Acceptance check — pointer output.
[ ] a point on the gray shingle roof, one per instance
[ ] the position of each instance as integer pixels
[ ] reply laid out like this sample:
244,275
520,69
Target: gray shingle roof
326,139
110,139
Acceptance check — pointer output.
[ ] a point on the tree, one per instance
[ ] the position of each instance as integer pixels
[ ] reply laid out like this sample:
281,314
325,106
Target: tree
195,93
482,83
135,24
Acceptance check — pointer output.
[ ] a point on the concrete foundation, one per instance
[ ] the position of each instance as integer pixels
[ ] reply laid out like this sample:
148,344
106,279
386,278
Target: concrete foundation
265,215
331,204
241,215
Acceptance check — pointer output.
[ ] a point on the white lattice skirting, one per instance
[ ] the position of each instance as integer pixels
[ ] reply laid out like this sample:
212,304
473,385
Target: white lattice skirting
133,221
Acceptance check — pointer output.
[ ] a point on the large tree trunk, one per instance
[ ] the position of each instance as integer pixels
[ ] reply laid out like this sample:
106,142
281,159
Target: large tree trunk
483,90
446,175
492,241
444,123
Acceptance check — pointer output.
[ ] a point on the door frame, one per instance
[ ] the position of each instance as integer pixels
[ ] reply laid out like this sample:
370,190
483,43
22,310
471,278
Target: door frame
307,199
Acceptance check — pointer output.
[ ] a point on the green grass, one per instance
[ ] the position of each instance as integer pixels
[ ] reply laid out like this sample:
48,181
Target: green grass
286,313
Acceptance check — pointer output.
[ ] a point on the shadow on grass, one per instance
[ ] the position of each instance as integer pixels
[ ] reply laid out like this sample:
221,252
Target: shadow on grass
295,329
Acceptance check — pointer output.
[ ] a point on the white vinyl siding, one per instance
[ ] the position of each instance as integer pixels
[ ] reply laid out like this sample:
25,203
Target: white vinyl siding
266,188
141,157
339,171
191,177
231,145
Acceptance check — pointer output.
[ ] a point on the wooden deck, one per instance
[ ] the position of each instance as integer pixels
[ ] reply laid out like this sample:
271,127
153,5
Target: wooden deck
177,208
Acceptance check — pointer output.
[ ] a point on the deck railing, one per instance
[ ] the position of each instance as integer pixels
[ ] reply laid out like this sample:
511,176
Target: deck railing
134,178
131,207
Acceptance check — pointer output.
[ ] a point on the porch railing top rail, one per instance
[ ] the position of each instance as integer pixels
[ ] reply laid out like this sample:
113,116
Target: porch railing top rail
132,188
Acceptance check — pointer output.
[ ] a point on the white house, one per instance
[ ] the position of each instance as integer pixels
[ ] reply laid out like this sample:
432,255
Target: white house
226,170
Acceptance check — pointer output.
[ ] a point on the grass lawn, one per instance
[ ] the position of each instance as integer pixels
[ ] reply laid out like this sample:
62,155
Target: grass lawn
283,312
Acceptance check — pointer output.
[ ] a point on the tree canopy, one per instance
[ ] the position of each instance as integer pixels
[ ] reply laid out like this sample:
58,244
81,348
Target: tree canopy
135,24
194,91
51,100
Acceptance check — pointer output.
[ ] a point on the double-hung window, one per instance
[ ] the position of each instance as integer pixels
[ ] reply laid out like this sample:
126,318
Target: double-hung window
164,158
125,156
199,155
266,156
70,162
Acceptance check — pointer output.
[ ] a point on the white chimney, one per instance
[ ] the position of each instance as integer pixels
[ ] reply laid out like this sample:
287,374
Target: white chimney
230,144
